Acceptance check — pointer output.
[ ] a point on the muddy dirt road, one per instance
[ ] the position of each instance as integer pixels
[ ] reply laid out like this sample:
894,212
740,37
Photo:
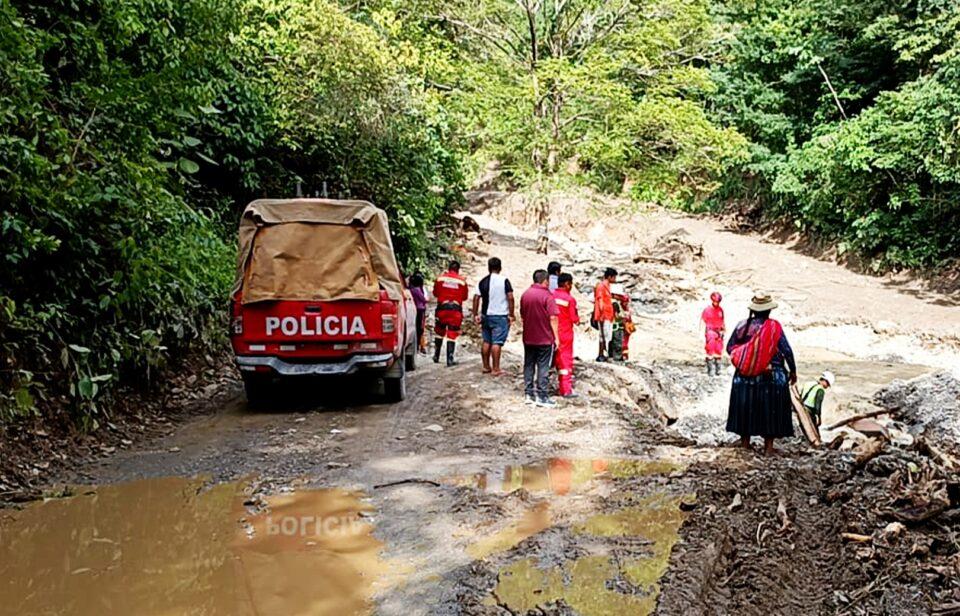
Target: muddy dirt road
463,500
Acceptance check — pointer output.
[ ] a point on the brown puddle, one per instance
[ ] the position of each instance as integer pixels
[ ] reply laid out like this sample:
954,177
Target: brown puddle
170,547
529,524
561,476
601,584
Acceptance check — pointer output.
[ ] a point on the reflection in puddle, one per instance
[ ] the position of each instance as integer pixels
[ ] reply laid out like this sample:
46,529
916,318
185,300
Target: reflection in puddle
531,523
168,546
560,475
600,584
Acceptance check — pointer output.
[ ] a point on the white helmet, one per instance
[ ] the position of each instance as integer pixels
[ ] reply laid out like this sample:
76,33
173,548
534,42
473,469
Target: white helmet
828,377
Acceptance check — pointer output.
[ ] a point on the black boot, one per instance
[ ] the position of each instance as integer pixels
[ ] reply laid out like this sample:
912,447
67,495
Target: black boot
437,345
451,346
709,366
716,366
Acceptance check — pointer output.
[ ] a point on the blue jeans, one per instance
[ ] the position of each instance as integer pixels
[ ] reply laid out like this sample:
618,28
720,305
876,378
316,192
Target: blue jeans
495,329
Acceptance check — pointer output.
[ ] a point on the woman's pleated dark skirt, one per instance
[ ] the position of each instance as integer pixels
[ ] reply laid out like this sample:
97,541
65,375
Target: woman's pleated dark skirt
760,405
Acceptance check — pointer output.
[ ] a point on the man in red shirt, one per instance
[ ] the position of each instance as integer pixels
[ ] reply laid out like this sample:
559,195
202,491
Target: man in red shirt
567,318
451,291
539,313
603,310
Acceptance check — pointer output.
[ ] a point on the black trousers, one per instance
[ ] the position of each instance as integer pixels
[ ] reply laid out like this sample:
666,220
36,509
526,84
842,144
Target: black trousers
536,364
421,322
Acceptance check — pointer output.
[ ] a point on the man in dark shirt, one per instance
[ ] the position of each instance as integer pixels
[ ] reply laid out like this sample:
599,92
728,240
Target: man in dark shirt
540,317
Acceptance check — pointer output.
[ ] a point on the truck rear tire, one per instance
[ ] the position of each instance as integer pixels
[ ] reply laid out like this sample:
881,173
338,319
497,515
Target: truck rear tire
395,387
258,389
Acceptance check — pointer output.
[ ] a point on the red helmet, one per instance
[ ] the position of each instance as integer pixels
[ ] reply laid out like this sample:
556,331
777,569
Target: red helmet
716,297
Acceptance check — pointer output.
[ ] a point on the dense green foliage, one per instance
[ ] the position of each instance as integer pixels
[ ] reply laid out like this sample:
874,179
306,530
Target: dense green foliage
133,131
877,164
606,92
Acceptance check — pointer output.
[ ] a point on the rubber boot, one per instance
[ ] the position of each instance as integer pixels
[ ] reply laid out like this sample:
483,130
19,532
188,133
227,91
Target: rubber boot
437,345
716,366
451,346
709,366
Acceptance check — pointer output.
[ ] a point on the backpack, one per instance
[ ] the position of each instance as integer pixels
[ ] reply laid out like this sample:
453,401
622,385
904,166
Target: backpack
753,357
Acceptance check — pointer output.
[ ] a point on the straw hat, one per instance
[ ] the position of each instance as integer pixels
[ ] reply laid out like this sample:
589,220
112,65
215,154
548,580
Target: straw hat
762,302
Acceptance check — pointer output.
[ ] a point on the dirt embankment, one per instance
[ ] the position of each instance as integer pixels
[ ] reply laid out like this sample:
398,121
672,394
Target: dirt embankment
38,451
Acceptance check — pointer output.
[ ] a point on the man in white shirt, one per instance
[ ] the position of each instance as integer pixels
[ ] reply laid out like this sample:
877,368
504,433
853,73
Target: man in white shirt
554,269
493,310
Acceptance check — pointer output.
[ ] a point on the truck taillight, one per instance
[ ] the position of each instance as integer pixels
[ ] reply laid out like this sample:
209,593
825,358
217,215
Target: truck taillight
388,323
236,327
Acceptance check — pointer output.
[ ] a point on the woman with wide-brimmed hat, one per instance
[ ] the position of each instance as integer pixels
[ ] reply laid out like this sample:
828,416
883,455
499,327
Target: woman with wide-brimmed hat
760,402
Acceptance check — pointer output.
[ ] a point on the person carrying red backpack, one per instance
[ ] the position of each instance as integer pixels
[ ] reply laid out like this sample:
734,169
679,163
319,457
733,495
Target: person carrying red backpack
760,402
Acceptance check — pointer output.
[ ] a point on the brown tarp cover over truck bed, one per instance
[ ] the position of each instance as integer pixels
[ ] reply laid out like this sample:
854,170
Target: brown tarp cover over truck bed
315,249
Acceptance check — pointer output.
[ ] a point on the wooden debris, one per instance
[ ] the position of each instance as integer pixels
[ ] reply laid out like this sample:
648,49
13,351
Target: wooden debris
642,257
869,427
868,451
854,418
405,481
947,609
785,521
836,442
856,537
924,446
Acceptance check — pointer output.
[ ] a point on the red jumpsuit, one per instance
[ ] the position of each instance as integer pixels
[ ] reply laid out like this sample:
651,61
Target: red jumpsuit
714,325
564,356
451,291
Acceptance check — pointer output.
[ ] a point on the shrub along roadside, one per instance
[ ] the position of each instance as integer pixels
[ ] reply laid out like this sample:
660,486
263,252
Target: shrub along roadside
131,134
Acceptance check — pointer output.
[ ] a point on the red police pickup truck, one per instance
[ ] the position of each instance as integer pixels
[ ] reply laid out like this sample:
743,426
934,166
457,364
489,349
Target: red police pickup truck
319,293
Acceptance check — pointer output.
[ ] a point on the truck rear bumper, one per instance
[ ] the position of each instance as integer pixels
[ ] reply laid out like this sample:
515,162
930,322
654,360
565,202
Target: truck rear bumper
350,365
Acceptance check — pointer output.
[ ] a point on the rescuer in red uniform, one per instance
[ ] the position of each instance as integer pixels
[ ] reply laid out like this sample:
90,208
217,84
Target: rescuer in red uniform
451,291
567,319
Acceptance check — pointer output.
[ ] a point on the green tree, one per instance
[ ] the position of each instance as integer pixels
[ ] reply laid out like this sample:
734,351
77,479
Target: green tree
610,92
851,112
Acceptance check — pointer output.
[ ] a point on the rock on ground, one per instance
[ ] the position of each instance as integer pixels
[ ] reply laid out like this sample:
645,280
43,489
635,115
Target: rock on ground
929,404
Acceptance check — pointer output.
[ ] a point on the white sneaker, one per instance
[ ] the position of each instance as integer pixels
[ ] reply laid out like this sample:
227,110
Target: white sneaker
529,400
546,402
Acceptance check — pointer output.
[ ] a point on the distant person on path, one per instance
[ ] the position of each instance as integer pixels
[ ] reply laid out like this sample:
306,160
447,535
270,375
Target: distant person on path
760,403
493,310
603,310
451,291
420,301
813,393
540,316
553,275
714,329
567,320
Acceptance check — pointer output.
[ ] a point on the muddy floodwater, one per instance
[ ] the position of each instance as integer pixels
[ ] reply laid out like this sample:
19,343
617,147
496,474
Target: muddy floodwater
176,546
606,579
